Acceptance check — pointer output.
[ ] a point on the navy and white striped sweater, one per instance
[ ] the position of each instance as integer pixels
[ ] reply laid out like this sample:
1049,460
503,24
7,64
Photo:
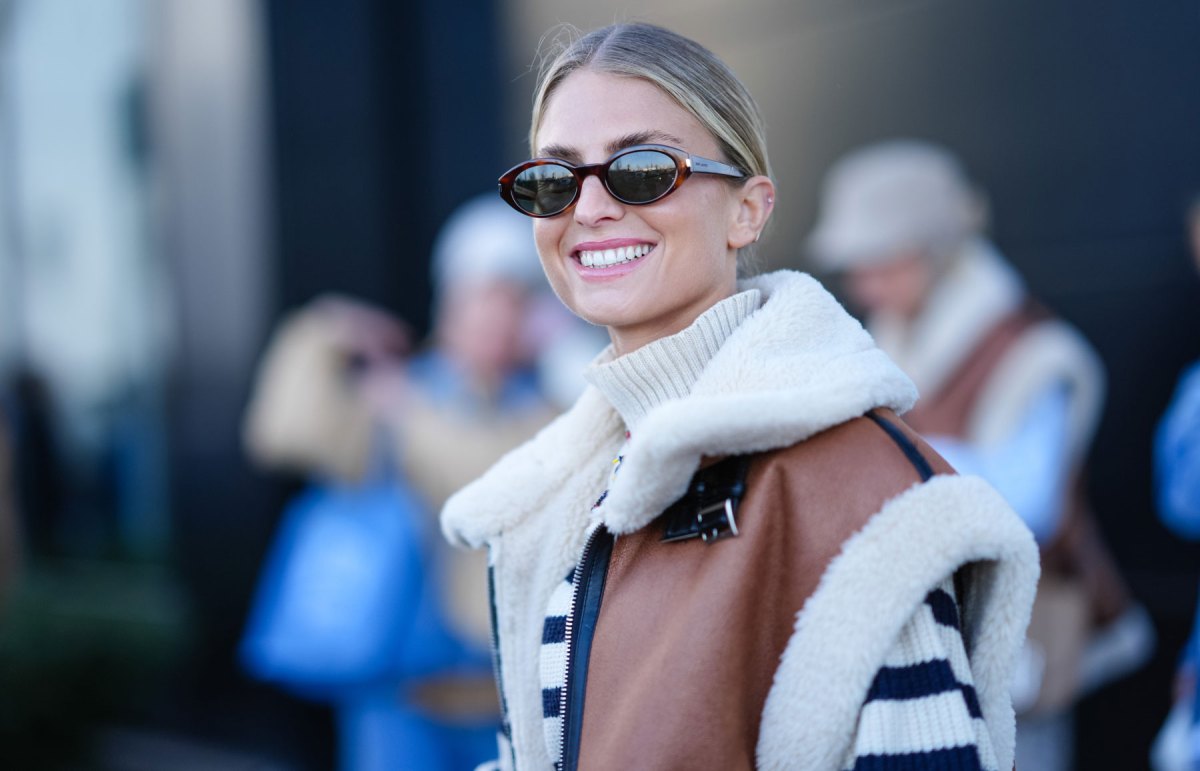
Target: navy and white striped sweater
554,666
921,711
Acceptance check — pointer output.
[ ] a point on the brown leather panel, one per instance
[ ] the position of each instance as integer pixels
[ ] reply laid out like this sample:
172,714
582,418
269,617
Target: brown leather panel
690,635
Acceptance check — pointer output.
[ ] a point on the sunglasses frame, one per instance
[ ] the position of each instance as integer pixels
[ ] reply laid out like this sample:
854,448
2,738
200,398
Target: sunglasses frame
686,165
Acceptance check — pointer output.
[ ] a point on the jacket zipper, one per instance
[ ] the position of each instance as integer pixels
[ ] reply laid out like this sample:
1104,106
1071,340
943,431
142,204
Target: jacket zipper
583,612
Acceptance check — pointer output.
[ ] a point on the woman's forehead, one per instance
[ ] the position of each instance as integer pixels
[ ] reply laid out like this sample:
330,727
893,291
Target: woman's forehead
593,113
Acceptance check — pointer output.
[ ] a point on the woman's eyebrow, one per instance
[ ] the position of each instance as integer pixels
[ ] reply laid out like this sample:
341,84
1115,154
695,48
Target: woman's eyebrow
643,138
572,155
561,152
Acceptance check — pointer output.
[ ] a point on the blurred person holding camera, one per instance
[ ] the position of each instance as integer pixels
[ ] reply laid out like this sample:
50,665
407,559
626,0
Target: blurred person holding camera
1177,488
339,400
1008,392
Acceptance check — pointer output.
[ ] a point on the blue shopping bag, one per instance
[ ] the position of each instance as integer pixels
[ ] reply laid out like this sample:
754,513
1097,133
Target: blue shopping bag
341,600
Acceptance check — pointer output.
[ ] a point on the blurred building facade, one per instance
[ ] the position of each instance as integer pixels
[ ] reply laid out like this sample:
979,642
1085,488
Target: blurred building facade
174,175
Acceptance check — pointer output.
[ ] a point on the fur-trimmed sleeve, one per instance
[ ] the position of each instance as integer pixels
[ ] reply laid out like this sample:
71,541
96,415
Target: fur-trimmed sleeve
922,710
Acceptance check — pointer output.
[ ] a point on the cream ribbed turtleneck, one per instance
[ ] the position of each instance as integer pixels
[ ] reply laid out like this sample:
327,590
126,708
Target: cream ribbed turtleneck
667,368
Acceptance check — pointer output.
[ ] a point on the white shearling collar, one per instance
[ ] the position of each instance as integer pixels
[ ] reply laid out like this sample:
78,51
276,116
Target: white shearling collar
797,366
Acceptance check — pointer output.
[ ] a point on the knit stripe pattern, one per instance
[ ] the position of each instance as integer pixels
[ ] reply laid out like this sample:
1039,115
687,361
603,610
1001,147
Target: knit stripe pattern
553,666
921,711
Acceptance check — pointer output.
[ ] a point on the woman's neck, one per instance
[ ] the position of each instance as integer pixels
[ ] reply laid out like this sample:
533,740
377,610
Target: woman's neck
666,368
629,338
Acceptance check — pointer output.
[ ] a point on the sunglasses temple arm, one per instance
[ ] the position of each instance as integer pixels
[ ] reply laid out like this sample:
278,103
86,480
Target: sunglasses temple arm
705,166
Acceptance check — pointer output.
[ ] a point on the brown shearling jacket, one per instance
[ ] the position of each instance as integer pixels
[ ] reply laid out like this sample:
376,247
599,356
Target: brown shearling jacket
690,633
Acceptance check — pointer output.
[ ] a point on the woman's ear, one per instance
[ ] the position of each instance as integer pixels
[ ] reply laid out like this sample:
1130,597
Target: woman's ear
753,201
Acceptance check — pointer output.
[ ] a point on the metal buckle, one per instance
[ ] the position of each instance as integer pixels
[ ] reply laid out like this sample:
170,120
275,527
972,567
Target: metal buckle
717,521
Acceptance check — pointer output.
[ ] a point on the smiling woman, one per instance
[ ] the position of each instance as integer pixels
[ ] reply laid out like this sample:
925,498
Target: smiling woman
730,553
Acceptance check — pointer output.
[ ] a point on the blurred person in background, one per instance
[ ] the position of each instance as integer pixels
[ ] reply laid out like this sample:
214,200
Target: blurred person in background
335,380
1177,482
1008,392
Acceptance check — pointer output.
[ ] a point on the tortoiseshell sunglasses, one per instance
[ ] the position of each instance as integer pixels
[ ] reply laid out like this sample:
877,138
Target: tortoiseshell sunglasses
638,175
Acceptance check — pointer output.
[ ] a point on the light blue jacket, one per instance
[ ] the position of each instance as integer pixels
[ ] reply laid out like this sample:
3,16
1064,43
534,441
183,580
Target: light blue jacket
1177,488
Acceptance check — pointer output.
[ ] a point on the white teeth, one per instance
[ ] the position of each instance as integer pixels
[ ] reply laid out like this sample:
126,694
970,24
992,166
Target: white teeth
608,257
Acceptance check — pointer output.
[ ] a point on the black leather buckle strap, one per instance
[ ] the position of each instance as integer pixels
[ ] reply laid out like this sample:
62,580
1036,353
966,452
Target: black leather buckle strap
708,510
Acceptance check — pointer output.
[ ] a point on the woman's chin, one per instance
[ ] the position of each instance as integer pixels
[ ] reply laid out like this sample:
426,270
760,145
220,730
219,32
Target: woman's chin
603,317
606,306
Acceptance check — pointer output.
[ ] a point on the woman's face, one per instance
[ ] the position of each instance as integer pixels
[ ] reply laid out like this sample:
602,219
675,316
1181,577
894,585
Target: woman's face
897,287
690,238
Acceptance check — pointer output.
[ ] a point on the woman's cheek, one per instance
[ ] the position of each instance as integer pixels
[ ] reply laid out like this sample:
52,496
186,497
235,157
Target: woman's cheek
547,236
556,276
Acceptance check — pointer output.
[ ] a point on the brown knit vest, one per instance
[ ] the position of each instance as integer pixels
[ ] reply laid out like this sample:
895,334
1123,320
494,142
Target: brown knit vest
1077,549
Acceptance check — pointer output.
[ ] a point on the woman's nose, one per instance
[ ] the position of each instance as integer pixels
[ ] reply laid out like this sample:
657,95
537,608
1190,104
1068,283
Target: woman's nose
596,204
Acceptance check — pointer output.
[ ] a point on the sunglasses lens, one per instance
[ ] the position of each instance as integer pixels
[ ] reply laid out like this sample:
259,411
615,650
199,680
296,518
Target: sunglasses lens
544,190
642,176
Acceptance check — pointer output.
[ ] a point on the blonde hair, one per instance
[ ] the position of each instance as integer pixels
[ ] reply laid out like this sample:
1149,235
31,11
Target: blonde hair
686,71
